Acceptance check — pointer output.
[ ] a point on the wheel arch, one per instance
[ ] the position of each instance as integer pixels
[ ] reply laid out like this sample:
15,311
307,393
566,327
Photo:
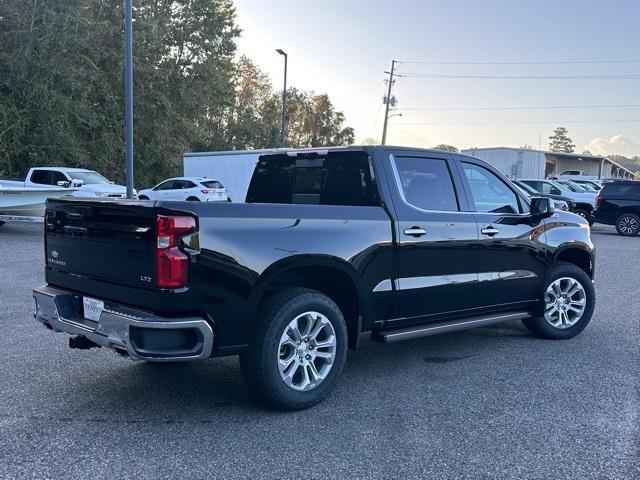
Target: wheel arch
580,256
329,275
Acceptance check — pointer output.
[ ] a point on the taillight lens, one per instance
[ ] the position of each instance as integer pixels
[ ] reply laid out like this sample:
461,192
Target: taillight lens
206,191
598,200
171,263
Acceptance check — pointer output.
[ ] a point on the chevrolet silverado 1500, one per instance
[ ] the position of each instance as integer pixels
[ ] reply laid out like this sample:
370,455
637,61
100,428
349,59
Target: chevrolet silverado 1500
331,243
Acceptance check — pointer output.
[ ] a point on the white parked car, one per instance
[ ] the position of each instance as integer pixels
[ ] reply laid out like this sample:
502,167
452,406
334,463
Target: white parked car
83,182
187,188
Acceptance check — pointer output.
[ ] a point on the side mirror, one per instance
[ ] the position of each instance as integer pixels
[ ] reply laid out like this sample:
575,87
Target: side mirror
76,182
541,207
63,184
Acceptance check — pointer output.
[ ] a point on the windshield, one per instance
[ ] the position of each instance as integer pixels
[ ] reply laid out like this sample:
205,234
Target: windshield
589,187
528,190
561,187
89,178
575,187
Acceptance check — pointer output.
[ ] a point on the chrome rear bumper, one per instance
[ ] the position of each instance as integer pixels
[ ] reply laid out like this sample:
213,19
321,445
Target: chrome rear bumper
135,333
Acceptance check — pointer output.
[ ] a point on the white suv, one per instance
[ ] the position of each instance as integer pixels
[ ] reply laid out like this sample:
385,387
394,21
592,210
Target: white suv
196,189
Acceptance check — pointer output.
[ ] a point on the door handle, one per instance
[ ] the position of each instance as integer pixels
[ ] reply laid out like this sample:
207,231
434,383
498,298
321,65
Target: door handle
415,231
490,230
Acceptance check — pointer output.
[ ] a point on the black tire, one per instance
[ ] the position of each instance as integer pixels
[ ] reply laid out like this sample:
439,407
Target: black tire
586,214
628,224
540,327
193,199
259,363
143,197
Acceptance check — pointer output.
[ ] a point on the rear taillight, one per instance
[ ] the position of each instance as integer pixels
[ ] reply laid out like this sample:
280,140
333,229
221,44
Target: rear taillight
171,263
205,191
598,200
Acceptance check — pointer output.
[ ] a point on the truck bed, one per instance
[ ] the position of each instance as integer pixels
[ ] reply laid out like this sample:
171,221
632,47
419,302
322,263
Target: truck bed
106,249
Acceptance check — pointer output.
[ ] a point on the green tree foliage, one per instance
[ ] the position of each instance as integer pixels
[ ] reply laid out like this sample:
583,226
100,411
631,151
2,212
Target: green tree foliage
62,92
61,82
446,148
560,141
312,121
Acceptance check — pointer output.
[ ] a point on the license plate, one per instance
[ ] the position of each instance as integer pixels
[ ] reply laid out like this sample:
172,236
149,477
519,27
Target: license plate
92,308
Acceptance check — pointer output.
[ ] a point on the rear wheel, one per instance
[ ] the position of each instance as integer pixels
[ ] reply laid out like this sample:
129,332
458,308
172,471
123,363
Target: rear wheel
143,197
298,350
193,199
628,224
567,304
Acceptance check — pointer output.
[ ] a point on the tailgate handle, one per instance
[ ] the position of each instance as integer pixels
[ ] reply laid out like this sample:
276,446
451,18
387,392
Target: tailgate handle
74,216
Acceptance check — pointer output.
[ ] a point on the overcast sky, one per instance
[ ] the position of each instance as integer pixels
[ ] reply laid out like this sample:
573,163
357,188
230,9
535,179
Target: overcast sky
342,47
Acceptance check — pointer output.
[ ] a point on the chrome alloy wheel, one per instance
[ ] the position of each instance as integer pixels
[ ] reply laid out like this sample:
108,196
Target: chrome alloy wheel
307,351
565,302
628,225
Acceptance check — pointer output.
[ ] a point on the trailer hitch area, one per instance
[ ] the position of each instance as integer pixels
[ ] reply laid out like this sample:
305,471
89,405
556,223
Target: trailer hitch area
82,343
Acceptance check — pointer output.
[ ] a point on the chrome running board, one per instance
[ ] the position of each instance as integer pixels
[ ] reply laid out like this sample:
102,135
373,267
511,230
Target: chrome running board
417,331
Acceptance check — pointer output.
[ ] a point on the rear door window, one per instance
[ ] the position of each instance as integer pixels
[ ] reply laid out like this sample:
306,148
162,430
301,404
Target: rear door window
337,178
426,183
41,177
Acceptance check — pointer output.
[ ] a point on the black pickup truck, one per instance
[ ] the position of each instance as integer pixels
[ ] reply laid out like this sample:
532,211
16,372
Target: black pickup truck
330,243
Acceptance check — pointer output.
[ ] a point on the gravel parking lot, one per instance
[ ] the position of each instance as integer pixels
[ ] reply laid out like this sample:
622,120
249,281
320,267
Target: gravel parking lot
486,403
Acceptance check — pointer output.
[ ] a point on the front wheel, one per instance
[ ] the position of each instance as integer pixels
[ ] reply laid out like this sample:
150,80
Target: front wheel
298,350
566,306
628,224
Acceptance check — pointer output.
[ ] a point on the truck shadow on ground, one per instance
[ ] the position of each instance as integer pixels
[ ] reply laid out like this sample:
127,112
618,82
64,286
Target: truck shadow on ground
201,392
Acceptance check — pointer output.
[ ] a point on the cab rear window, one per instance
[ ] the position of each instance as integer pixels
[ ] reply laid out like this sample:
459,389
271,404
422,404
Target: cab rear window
337,178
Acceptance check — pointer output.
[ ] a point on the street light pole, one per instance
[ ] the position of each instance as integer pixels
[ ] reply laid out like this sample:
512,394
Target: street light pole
128,94
284,98
388,102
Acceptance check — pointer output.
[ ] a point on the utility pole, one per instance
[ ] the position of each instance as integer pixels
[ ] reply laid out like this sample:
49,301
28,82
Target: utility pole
128,94
387,100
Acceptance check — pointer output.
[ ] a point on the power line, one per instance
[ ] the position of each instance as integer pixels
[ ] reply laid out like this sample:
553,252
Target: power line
554,122
557,62
550,107
525,77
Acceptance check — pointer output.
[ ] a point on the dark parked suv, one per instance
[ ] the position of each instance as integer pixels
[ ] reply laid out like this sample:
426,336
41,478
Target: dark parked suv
331,243
618,203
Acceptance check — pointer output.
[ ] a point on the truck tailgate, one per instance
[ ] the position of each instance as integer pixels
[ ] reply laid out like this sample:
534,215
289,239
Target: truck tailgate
103,240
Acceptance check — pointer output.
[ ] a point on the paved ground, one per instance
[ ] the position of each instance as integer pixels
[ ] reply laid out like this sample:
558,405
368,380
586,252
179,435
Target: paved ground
486,403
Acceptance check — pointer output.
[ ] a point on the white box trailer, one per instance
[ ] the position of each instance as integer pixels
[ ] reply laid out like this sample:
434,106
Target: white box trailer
233,168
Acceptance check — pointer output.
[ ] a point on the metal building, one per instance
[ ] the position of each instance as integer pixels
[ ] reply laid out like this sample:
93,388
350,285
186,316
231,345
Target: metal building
521,163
